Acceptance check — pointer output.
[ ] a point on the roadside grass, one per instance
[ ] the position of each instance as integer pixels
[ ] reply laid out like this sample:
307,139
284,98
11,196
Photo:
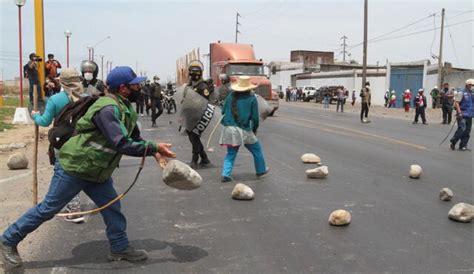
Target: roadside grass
7,112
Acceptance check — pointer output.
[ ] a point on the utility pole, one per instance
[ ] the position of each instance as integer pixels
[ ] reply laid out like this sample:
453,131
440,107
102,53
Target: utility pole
440,56
237,24
364,58
344,45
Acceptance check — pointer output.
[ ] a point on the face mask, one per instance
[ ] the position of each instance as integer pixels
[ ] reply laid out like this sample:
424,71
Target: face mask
88,76
195,76
134,94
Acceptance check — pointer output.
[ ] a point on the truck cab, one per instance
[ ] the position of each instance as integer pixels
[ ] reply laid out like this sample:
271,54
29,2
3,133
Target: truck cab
239,59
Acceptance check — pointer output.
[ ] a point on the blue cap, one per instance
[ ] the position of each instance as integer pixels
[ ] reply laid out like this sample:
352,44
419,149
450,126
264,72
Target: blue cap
123,76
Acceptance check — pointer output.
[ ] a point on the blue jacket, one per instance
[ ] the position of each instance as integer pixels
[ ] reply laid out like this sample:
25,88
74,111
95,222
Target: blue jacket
247,109
467,104
54,106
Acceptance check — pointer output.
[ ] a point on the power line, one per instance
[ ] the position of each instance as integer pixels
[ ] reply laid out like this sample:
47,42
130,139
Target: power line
434,37
393,31
452,42
423,31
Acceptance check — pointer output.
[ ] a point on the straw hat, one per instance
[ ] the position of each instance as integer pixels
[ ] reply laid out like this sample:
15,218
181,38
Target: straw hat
242,84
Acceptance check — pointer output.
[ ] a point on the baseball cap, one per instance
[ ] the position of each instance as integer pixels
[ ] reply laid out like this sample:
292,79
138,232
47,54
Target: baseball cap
123,76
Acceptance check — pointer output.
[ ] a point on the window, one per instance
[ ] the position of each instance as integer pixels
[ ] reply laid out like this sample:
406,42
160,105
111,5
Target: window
245,69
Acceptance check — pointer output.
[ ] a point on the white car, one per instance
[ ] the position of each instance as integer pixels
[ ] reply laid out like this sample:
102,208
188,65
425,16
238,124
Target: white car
309,92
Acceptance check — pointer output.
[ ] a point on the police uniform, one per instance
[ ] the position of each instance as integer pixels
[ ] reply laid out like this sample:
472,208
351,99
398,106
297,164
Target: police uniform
202,89
156,96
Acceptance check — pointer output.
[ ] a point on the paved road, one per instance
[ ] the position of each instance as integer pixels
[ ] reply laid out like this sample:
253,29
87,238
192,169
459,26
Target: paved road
398,225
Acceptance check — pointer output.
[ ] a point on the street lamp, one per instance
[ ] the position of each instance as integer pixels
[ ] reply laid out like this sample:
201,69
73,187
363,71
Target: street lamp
102,67
91,50
68,34
20,3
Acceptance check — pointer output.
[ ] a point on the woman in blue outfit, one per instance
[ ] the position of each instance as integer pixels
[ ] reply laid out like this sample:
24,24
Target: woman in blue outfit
240,121
71,91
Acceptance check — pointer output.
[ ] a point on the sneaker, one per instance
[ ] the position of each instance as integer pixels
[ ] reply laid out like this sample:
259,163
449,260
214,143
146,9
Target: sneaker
75,219
226,179
129,254
414,122
464,149
263,174
10,256
452,146
425,123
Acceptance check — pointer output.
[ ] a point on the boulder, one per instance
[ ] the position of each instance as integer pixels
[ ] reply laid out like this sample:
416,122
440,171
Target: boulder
415,171
242,192
446,194
318,173
310,158
462,212
340,217
179,175
17,160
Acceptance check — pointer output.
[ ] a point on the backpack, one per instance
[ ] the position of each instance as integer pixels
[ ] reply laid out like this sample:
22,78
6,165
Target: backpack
64,126
25,71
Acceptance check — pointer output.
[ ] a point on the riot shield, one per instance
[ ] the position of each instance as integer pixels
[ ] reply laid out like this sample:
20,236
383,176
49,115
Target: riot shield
264,108
195,110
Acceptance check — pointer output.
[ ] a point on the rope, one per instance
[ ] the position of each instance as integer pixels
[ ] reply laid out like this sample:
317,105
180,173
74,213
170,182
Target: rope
119,197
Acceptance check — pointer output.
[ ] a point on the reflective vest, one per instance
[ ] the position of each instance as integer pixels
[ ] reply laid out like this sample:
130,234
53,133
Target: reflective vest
89,155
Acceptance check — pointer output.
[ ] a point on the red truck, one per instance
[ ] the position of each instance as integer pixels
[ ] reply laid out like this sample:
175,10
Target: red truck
236,59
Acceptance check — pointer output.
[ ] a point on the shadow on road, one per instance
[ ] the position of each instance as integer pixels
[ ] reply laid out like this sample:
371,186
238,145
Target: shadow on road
93,256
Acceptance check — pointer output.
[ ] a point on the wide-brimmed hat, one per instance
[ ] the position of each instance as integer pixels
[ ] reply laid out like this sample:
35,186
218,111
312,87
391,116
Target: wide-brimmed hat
243,84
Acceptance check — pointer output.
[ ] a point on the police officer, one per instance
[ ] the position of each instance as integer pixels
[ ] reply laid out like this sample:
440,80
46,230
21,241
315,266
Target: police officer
146,96
92,85
156,97
197,84
464,105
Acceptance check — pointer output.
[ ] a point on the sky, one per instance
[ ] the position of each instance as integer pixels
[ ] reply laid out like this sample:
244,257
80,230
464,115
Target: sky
152,35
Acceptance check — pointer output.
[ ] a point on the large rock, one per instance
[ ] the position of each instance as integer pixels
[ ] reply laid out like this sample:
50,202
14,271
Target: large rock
462,212
318,173
340,217
310,158
242,192
177,174
415,171
17,161
446,194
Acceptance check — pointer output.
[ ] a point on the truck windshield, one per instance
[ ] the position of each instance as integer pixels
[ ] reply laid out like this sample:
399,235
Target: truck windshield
245,69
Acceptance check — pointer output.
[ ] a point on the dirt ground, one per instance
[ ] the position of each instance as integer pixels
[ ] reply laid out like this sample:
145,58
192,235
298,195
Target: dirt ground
16,185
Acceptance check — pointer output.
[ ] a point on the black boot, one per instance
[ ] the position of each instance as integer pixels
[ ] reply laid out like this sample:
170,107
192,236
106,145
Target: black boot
194,161
204,160
10,256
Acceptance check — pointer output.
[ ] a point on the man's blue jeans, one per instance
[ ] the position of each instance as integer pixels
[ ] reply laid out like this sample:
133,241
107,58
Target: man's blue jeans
62,189
463,132
255,149
326,102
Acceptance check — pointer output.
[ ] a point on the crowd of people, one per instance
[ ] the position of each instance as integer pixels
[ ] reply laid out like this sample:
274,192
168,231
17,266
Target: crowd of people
108,129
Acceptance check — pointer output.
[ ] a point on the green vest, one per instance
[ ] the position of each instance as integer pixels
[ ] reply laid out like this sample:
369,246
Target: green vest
89,156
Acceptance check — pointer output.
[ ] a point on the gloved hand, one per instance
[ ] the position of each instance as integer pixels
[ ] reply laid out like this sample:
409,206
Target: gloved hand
369,104
255,131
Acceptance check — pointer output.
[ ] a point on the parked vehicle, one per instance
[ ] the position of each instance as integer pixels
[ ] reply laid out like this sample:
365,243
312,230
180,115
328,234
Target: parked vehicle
330,90
308,93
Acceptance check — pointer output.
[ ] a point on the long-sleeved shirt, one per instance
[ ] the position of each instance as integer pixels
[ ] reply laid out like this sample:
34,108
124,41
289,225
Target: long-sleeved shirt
55,104
107,120
247,109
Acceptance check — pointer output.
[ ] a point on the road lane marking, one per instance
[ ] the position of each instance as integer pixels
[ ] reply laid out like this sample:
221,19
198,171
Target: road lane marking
348,131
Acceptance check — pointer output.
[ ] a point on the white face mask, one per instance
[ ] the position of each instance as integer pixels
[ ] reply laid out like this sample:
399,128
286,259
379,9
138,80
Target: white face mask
88,76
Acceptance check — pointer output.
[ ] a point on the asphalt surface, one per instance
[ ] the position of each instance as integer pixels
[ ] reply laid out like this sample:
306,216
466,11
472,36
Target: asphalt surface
398,224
